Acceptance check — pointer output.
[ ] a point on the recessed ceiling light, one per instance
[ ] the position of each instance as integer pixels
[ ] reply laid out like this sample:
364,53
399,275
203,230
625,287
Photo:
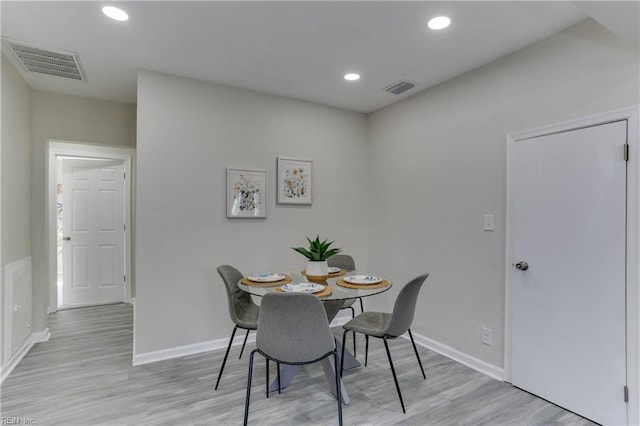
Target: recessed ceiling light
115,13
351,76
439,23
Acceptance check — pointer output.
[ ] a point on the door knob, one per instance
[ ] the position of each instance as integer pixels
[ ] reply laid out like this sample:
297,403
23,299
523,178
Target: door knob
66,238
522,266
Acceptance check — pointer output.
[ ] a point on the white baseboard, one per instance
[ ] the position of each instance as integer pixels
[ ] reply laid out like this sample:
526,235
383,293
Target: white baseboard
37,337
479,365
196,348
41,336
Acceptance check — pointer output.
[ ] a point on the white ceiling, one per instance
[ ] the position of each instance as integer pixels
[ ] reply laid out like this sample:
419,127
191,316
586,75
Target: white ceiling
297,49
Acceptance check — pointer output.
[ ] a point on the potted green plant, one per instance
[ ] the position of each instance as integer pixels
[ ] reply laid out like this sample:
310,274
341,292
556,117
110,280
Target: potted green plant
317,255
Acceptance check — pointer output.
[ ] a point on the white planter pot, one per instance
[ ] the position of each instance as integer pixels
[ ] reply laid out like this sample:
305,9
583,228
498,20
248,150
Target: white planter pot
317,271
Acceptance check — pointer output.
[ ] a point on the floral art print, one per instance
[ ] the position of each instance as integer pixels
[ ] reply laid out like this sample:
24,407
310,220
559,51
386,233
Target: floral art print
246,193
294,181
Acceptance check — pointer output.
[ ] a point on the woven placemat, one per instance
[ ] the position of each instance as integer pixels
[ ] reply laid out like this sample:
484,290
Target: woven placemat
335,274
286,280
343,283
324,293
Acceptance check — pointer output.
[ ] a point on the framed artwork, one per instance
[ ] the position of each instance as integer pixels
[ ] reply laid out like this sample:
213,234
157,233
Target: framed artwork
294,181
246,193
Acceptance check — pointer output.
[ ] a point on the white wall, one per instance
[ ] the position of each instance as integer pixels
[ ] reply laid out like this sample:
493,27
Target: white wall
188,133
71,118
16,172
440,162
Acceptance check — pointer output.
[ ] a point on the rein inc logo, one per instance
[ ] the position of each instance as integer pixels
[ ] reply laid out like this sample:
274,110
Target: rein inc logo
17,421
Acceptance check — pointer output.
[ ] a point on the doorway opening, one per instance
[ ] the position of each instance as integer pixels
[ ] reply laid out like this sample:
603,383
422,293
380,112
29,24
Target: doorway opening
89,224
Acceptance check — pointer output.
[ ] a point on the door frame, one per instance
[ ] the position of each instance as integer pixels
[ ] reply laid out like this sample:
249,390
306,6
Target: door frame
60,148
631,115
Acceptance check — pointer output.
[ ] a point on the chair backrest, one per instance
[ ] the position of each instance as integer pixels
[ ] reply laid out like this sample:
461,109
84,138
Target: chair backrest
293,327
238,300
342,261
405,307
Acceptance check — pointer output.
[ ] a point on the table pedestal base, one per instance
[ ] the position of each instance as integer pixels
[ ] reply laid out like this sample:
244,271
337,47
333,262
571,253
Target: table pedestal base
288,372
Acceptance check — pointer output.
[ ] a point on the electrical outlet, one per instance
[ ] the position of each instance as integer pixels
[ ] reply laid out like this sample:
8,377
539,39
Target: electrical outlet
485,336
488,222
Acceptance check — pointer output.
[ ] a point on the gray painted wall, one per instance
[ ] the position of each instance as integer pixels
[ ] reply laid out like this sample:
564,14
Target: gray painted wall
16,173
440,162
188,133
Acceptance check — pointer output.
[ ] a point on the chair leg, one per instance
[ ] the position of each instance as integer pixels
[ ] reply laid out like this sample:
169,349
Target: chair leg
354,343
267,374
415,349
344,342
224,361
244,343
353,315
338,387
279,386
393,371
366,349
361,304
246,400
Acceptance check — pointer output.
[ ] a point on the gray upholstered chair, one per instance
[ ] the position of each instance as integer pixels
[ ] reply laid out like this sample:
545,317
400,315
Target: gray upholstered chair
346,262
293,329
389,326
242,309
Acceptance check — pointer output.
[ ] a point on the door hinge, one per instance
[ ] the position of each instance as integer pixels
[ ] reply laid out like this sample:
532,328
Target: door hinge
125,175
626,152
125,278
626,394
124,227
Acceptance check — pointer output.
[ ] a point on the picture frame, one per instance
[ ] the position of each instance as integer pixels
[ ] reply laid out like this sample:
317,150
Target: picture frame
294,181
246,193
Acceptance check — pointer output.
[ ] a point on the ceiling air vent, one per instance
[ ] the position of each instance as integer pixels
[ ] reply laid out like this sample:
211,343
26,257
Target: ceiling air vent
60,63
400,87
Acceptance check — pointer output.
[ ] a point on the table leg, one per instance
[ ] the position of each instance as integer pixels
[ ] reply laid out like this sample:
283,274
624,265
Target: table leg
329,374
349,360
332,307
287,372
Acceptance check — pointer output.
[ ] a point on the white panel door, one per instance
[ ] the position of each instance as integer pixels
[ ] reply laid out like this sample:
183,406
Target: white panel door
93,232
567,222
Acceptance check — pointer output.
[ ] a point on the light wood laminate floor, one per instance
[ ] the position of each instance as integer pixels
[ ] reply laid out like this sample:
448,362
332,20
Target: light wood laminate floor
83,376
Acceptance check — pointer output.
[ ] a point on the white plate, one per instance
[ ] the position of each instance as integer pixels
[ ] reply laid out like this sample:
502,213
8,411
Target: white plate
334,270
302,288
362,279
267,277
